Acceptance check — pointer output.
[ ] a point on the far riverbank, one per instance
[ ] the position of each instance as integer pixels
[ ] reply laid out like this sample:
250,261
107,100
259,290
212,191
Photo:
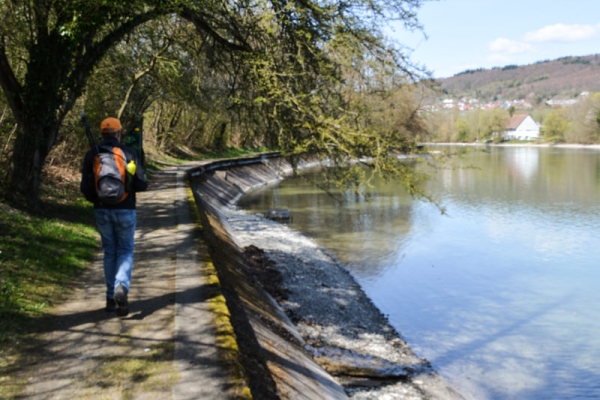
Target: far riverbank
559,145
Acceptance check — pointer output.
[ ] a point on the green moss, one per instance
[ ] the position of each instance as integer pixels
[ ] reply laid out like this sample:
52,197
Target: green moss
226,339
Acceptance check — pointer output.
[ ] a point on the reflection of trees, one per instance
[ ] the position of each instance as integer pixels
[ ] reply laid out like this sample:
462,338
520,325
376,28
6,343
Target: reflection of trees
377,223
536,177
504,179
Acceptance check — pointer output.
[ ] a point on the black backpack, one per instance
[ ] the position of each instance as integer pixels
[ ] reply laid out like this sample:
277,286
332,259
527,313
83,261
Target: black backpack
110,174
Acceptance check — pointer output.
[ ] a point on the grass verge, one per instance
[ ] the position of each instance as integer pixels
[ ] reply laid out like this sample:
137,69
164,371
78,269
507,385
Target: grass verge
42,253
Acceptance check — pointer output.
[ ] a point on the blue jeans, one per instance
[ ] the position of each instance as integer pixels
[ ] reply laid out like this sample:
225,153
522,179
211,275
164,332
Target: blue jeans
117,229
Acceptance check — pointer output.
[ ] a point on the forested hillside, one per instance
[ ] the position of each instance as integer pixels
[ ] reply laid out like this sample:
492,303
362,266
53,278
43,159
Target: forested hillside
562,96
563,78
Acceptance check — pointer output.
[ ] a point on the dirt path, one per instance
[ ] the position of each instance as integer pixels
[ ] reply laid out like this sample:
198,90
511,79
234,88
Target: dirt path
165,348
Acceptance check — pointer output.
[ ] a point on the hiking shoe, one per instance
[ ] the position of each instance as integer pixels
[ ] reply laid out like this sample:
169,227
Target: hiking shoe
121,300
111,306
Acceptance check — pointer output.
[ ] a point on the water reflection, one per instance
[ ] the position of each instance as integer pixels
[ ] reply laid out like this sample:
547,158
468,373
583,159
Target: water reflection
337,225
524,162
500,294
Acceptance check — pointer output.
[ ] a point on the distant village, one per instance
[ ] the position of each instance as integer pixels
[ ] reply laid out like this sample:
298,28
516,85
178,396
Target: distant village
465,104
521,126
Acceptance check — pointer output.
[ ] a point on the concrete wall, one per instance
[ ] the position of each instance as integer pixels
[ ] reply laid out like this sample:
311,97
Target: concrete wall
272,351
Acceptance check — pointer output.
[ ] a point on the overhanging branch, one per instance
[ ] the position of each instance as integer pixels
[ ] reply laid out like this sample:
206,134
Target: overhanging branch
203,25
10,85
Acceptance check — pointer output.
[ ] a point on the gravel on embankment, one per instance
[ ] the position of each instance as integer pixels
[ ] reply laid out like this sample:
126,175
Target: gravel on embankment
342,330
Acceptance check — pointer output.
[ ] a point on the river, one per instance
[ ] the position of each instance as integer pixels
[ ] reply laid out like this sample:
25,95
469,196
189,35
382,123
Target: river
502,292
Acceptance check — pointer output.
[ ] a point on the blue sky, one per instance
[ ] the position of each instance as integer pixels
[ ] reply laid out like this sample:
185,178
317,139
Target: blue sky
470,34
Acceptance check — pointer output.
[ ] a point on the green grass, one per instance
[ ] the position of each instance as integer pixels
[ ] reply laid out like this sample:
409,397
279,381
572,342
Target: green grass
39,257
42,253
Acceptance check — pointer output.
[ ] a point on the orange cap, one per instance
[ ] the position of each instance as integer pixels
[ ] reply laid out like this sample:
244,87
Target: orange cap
110,126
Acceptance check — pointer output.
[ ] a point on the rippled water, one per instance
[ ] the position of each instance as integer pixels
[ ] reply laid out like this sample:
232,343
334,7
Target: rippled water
501,294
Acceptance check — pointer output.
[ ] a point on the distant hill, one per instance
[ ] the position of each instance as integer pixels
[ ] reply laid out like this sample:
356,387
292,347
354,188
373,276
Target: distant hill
563,78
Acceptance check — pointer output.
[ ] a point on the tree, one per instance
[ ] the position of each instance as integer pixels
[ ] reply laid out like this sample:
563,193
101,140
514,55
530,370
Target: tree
493,123
49,49
556,125
60,44
462,131
139,71
582,116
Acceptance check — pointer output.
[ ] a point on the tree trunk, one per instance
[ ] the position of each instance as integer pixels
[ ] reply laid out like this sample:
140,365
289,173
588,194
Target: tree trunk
32,145
28,160
42,106
59,61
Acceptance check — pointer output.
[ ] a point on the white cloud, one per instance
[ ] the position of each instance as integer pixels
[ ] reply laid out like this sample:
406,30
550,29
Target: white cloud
562,33
506,51
506,46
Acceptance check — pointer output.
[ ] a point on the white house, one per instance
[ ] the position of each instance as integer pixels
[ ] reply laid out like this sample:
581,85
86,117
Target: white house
522,127
448,104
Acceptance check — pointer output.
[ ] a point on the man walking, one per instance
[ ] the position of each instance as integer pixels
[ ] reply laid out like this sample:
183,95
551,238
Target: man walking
116,222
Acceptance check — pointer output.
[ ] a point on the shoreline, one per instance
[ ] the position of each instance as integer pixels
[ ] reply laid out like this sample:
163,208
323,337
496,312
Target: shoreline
559,145
334,323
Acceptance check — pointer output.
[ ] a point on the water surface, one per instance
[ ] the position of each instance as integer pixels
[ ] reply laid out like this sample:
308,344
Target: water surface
501,294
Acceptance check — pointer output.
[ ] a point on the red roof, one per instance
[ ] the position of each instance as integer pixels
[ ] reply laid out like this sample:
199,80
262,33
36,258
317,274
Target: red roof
515,121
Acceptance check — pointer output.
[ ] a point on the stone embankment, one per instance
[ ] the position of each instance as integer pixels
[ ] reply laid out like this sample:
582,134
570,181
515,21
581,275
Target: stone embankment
305,328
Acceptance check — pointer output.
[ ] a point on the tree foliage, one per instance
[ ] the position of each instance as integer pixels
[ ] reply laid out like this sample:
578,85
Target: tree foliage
556,125
493,123
462,131
301,76
471,126
584,121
